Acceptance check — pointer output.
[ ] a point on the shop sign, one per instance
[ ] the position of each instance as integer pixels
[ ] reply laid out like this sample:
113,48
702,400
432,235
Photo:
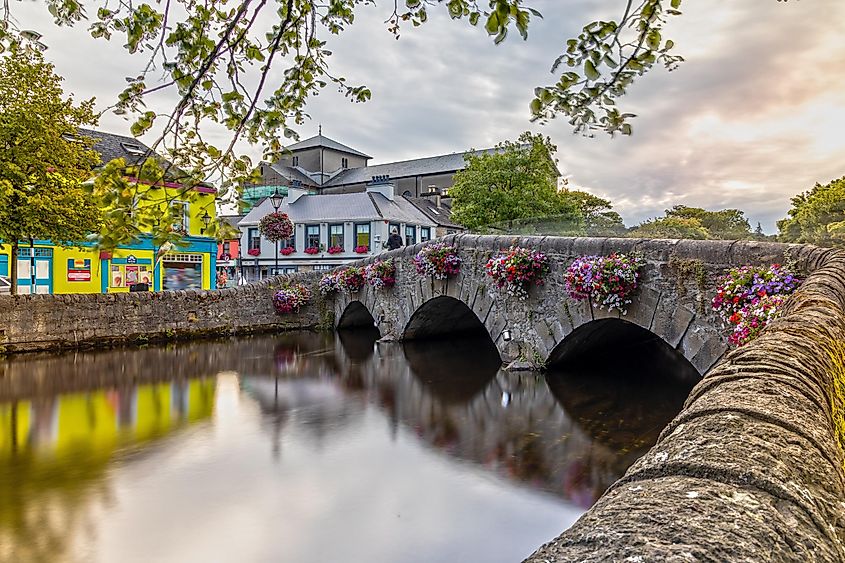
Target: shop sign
131,260
78,270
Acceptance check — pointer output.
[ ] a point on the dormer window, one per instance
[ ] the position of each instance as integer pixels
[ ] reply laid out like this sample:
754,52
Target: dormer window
133,149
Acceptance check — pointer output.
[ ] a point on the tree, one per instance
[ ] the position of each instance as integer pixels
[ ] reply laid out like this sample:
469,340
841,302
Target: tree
517,181
817,216
671,227
597,213
726,224
42,162
216,62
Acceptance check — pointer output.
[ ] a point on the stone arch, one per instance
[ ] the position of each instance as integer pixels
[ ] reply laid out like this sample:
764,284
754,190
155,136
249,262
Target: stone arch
356,315
618,340
442,317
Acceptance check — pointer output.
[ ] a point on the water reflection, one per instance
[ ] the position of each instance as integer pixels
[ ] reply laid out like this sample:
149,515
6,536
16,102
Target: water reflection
270,445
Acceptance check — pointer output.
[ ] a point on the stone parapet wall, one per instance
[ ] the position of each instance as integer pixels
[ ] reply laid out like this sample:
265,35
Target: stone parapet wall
52,322
752,467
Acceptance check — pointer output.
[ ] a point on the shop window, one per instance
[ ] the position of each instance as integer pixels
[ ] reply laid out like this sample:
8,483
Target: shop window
322,267
182,271
336,235
410,235
425,234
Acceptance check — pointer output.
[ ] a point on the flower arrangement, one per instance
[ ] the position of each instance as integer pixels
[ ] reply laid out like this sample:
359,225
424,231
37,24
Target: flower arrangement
745,298
381,274
751,319
254,251
608,281
337,249
350,280
287,251
330,283
312,250
438,260
289,299
362,249
276,226
515,270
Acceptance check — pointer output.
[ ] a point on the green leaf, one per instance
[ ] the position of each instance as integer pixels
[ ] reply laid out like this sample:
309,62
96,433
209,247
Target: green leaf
590,70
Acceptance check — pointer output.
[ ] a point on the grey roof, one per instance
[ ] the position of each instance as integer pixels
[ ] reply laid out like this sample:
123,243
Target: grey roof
441,215
417,167
293,173
323,141
233,220
326,208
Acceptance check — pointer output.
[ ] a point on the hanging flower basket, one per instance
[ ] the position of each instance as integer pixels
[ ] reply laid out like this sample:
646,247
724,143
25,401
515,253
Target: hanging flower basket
518,268
350,280
438,260
381,274
287,251
330,283
748,298
335,249
254,251
276,226
291,298
362,249
312,250
607,281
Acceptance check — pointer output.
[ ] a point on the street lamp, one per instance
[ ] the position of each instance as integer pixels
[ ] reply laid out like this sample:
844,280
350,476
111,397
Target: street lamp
206,219
276,202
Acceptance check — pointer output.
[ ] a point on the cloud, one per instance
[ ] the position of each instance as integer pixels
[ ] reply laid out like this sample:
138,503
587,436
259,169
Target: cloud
751,119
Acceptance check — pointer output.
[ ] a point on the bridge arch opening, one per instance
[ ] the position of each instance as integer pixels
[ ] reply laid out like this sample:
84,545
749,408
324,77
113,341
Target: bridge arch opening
356,315
619,346
443,317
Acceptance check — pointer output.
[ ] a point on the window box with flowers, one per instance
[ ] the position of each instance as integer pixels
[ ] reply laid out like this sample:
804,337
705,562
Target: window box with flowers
287,251
312,250
517,269
254,251
291,298
749,298
362,249
335,249
606,281
381,274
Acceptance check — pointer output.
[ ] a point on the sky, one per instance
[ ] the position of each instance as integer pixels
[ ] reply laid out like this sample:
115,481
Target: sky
753,117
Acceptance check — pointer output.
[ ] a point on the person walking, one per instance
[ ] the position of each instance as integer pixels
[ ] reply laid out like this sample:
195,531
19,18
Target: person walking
394,241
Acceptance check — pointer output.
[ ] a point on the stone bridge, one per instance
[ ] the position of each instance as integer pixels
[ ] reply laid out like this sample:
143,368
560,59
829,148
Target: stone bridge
673,302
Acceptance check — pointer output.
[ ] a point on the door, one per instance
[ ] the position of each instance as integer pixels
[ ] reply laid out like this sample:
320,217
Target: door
35,273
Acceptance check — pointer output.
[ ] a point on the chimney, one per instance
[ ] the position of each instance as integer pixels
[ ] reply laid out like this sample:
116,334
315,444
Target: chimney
382,185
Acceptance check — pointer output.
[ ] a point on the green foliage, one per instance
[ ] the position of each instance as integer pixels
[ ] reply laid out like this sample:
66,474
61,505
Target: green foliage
42,163
519,180
597,213
817,216
672,227
726,224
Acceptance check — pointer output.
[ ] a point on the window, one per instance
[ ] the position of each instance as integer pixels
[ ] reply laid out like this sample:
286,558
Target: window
410,235
289,243
296,161
181,219
312,236
362,234
133,149
425,234
336,236
344,163
253,239
322,267
226,247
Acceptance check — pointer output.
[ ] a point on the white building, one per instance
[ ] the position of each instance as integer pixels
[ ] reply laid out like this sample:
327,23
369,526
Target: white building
340,222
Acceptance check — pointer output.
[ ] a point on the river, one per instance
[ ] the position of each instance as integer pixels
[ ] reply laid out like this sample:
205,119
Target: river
310,447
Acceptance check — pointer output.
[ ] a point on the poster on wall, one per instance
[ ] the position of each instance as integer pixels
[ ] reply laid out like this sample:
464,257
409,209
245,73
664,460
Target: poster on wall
116,276
131,275
145,275
78,270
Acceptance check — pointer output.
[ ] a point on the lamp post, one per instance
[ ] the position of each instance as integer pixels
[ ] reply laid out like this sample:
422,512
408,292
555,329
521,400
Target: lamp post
206,219
276,202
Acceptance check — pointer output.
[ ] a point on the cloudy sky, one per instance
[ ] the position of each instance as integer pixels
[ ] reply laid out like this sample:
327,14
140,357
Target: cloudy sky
753,117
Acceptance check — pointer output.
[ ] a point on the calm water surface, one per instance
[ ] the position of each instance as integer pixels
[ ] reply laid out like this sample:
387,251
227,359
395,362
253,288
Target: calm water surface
308,448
